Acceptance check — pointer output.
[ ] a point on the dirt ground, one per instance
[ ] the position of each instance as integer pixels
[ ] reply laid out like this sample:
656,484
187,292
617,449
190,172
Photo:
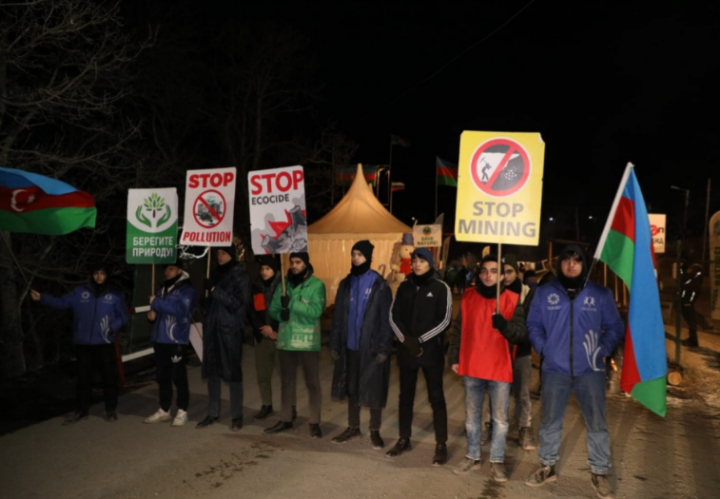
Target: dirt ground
653,458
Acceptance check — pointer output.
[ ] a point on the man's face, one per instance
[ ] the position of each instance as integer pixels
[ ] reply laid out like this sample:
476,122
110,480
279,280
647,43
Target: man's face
489,273
420,266
223,257
171,271
572,266
357,258
266,272
510,274
99,276
297,266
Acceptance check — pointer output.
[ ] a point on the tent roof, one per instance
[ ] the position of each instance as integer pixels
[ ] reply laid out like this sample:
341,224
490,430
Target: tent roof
359,212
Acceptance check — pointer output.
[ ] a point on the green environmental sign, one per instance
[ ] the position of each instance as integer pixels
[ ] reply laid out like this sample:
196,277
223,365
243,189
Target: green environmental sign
152,216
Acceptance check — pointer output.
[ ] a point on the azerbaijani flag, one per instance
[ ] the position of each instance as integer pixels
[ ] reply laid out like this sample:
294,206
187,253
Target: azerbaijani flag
447,173
396,140
626,246
36,204
345,175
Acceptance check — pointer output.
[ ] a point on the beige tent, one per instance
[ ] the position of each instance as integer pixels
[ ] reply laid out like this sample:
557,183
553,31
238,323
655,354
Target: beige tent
359,215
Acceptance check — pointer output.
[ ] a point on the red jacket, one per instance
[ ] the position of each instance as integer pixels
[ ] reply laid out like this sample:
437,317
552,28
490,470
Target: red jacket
485,352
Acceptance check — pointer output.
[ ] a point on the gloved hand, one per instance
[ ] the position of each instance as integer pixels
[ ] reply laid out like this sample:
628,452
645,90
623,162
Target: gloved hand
381,357
285,312
412,345
499,322
335,355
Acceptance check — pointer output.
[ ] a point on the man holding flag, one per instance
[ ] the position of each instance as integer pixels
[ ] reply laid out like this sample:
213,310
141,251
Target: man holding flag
573,325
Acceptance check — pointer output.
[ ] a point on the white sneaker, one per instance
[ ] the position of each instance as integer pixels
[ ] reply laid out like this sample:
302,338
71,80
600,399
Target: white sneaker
158,417
180,419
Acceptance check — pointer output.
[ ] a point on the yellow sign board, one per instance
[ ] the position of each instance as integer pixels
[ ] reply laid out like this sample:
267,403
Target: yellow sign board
499,188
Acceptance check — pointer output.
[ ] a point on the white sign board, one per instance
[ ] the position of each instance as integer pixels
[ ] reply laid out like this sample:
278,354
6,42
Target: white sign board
427,236
277,210
209,205
657,230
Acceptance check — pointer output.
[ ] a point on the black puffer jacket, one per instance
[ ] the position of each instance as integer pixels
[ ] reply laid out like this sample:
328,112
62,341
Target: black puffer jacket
224,323
375,337
422,313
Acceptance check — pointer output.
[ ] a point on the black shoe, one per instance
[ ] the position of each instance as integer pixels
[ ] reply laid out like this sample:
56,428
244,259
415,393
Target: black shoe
111,416
401,446
376,439
315,431
440,456
206,422
265,411
294,414
78,416
278,427
348,434
236,424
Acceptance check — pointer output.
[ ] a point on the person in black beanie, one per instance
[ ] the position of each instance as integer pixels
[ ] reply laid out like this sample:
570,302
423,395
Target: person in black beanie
265,329
419,316
360,343
229,298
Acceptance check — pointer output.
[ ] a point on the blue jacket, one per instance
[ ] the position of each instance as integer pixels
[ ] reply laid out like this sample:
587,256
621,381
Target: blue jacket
95,320
574,336
174,308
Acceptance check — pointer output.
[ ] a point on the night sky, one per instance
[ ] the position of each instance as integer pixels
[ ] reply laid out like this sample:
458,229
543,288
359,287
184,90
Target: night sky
603,82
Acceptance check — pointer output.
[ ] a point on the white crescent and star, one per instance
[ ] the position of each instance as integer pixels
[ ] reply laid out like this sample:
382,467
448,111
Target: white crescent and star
13,201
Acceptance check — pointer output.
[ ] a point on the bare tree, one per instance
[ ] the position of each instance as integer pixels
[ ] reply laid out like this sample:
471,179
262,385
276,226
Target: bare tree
63,81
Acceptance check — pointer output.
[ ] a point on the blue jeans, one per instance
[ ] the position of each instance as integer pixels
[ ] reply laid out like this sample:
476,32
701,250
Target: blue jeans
499,402
590,392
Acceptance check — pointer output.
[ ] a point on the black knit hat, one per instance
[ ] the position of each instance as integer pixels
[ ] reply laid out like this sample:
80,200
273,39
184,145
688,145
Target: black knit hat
269,261
178,263
302,256
365,247
230,250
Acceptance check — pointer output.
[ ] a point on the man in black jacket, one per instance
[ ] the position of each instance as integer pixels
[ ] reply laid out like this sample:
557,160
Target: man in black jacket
419,316
265,330
360,343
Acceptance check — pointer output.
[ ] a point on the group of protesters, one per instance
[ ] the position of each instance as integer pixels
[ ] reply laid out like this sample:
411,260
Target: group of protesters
572,323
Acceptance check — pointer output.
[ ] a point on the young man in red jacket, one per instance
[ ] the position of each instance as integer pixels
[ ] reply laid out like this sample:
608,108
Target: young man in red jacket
481,351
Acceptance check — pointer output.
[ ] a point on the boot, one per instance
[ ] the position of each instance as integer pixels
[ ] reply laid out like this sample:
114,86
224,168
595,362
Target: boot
401,446
498,472
264,412
602,486
526,440
542,475
440,457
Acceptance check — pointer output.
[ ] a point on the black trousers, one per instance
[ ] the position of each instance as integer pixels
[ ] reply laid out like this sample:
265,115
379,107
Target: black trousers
170,369
92,358
688,313
436,397
353,380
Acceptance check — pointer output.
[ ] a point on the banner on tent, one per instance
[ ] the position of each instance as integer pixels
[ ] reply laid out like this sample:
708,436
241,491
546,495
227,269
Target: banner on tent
277,210
499,187
152,224
427,236
209,203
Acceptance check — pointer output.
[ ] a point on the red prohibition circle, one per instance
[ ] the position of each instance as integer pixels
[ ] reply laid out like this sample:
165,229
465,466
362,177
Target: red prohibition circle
201,200
512,147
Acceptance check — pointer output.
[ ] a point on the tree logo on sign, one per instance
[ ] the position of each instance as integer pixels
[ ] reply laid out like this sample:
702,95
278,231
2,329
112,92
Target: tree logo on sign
155,206
500,167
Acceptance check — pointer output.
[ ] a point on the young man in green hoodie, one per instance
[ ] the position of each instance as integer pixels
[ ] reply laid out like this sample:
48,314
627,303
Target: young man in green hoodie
298,342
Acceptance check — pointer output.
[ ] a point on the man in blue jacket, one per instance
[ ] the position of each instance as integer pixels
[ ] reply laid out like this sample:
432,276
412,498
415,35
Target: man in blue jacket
171,310
574,325
99,312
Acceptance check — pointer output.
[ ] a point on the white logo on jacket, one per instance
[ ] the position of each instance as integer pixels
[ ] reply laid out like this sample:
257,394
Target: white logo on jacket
592,349
589,301
553,299
85,295
105,329
429,295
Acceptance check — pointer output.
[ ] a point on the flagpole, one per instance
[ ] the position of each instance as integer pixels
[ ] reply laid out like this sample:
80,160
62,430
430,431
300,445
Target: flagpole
389,186
611,217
